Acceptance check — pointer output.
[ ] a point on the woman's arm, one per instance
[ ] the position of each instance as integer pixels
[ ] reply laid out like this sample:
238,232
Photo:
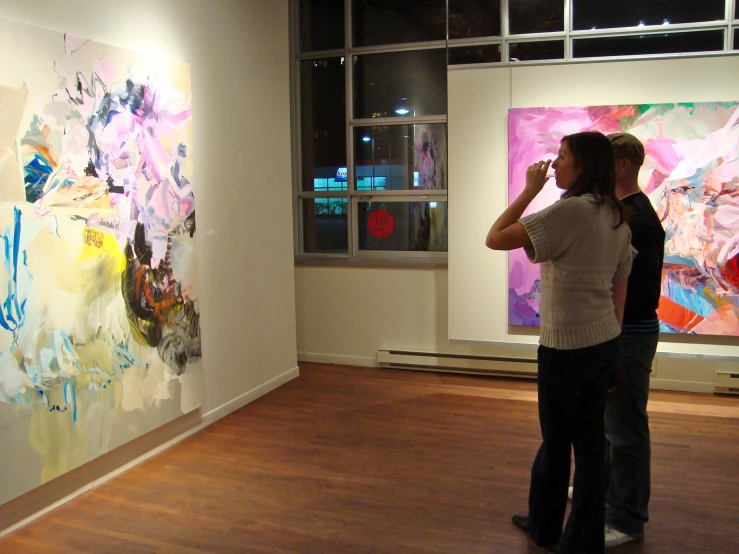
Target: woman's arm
507,233
618,293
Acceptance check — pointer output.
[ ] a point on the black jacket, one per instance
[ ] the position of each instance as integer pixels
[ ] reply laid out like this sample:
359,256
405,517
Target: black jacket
648,238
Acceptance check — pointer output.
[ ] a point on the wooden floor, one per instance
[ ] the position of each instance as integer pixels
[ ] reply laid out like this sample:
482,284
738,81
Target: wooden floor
345,460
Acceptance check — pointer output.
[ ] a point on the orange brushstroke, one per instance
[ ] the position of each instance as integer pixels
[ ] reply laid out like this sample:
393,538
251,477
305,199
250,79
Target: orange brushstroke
677,316
48,155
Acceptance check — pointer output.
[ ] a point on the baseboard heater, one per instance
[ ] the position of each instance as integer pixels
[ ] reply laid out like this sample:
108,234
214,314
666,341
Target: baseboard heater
457,363
726,383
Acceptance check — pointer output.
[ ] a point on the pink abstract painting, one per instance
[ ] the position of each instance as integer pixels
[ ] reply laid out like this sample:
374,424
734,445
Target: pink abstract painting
691,176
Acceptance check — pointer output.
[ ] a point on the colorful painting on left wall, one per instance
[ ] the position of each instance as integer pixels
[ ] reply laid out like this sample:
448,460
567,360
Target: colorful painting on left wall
99,314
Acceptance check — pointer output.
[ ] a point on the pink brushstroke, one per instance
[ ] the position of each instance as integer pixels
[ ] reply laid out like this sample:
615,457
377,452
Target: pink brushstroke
73,43
662,151
140,152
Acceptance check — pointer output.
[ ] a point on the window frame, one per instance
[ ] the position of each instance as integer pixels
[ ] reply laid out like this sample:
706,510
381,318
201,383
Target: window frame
730,26
354,196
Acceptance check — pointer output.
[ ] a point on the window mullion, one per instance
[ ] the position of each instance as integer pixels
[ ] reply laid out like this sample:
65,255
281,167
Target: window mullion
349,105
504,31
372,121
729,35
297,150
568,25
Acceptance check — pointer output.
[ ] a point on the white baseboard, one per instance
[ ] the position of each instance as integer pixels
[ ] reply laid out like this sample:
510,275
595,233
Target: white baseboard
681,386
206,419
362,361
249,396
366,361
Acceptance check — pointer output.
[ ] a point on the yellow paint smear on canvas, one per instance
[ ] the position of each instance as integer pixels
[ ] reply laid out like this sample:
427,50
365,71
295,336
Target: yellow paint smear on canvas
56,436
97,243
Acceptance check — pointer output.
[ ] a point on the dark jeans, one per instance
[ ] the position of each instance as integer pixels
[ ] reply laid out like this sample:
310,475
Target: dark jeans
573,385
628,453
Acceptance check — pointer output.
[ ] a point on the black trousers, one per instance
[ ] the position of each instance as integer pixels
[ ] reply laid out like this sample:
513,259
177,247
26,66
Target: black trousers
573,387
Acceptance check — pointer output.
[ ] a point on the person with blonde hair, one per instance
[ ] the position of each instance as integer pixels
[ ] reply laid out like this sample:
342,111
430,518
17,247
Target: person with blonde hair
628,451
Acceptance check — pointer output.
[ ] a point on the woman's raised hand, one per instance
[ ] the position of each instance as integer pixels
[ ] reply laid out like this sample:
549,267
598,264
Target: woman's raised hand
536,176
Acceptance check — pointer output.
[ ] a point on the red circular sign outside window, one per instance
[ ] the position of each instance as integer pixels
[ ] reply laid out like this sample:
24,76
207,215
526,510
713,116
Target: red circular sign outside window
381,224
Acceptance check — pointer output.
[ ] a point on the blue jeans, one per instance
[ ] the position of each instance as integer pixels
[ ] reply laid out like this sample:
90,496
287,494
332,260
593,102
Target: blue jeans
572,386
628,453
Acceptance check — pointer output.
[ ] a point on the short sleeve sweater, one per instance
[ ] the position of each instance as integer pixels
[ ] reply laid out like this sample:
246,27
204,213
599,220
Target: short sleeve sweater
581,257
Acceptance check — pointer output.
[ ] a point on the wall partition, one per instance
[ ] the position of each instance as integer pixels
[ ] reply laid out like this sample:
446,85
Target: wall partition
480,305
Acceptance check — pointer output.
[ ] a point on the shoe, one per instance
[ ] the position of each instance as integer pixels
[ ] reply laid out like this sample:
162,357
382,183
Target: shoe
522,522
614,537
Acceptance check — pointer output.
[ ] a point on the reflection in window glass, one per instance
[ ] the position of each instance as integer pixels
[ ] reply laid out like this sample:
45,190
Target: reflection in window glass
403,226
597,14
378,22
699,41
474,18
325,225
323,116
535,16
401,157
736,39
487,53
321,25
542,50
400,83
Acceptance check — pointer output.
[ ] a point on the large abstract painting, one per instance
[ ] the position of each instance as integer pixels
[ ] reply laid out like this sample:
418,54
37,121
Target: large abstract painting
691,175
99,318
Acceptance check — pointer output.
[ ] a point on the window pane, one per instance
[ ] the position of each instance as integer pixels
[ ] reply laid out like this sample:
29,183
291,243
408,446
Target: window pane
736,39
401,157
400,83
488,53
396,21
403,226
704,41
544,50
535,16
323,120
321,25
589,14
474,18
324,225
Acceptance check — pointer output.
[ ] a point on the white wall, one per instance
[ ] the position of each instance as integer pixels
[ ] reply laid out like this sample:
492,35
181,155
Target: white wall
345,315
238,51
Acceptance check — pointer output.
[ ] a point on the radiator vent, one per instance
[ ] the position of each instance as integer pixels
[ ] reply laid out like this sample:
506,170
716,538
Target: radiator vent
726,382
457,363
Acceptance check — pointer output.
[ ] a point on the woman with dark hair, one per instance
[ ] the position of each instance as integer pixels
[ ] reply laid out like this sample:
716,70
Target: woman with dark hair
585,254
